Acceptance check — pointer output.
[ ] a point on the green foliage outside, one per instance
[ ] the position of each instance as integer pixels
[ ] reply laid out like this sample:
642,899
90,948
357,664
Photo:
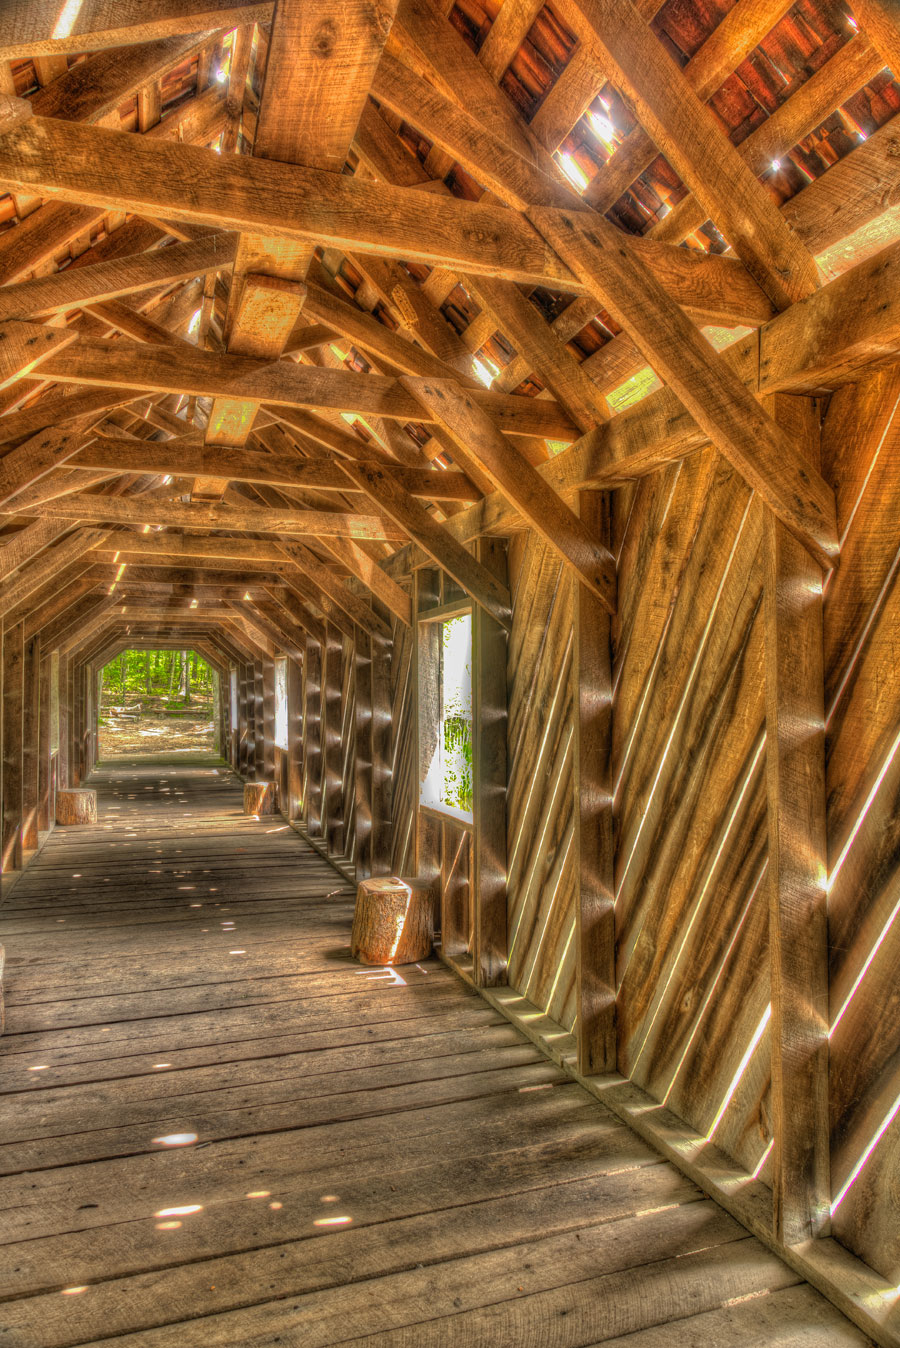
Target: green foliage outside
158,682
456,764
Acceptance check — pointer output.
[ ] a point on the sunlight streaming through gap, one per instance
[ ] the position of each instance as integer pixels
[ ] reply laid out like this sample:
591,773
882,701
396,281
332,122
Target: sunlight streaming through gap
742,1067
857,1169
876,786
865,968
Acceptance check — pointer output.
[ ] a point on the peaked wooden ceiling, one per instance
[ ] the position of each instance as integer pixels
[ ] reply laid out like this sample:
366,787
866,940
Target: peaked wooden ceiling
258,264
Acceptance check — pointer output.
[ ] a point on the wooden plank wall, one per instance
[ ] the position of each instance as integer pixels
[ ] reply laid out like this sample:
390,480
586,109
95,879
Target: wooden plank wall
403,741
348,748
688,766
861,452
540,799
30,699
689,775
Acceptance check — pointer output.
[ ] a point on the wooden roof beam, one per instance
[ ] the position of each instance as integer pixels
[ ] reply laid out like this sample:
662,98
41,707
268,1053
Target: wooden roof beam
40,455
188,549
52,601
149,509
266,621
319,67
303,598
432,537
730,42
52,563
58,409
172,574
41,29
880,21
685,131
239,465
521,483
99,281
17,549
820,344
332,588
369,573
92,165
185,370
718,401
848,70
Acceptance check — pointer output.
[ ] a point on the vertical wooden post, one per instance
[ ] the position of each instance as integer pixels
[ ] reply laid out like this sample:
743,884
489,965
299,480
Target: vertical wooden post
332,803
798,935
62,723
233,715
312,737
44,746
96,685
267,701
489,707
456,885
380,753
293,806
259,723
244,727
247,721
250,719
30,744
426,681
74,725
595,935
362,654
71,723
87,718
13,708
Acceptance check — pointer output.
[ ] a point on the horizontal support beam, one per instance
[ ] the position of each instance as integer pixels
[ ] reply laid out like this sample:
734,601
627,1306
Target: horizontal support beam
45,28
818,344
241,465
185,370
151,510
118,171
184,548
77,286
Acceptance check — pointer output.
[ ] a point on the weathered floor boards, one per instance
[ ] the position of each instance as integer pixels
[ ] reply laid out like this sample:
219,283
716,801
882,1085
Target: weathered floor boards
379,1157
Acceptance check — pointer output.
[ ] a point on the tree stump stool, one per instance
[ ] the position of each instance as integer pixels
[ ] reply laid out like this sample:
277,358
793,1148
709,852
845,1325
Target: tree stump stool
259,798
76,806
393,922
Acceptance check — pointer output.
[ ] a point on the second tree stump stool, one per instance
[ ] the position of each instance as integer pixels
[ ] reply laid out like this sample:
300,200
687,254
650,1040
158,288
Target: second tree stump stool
76,806
259,798
393,922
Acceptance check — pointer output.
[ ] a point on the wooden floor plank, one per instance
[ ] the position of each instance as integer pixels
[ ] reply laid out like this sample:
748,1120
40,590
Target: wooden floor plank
369,1156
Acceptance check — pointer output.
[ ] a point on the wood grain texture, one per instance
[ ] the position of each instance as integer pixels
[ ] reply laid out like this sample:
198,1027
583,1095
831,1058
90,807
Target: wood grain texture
520,482
332,1064
718,401
798,937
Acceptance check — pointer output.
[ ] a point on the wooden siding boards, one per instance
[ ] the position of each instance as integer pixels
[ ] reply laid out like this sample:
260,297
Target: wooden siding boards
540,800
348,747
688,717
403,801
862,709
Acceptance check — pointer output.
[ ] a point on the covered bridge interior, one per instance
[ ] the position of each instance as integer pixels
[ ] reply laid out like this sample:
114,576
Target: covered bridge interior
501,398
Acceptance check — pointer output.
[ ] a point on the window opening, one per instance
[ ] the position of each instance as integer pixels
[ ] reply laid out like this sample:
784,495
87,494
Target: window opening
448,780
281,706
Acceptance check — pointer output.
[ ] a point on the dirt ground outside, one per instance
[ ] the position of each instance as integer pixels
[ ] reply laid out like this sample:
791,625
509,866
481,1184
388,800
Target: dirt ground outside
133,735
